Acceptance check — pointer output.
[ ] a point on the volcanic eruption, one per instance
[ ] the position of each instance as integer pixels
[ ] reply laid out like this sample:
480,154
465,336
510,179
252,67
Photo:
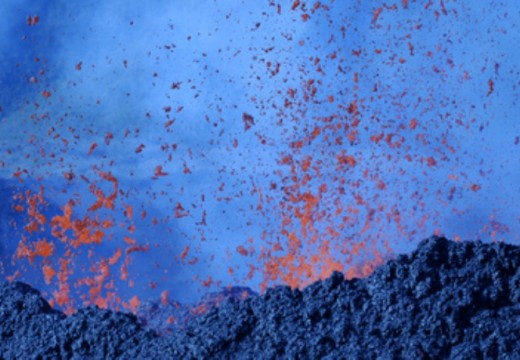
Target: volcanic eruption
195,162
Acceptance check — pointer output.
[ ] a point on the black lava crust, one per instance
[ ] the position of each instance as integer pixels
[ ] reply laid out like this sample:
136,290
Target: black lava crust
447,299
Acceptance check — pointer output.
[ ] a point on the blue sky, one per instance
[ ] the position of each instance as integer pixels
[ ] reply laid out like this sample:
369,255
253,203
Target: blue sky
178,79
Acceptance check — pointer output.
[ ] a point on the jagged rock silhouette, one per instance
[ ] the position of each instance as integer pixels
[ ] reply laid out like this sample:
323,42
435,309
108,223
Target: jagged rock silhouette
445,300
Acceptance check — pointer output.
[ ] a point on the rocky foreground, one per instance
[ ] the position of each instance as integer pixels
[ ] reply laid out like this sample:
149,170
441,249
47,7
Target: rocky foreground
445,300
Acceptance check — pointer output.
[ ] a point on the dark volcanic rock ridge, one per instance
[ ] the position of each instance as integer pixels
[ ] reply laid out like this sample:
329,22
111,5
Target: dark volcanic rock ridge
445,300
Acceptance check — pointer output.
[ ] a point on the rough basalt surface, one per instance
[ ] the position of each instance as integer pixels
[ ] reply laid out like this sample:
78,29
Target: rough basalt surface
445,300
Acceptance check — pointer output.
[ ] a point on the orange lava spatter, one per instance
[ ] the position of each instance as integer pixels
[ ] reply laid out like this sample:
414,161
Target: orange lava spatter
60,254
340,133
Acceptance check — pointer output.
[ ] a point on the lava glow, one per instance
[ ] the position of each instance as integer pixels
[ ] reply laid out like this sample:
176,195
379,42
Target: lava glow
167,148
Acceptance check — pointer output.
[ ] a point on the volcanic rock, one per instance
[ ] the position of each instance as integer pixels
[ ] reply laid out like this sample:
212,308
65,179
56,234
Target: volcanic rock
445,300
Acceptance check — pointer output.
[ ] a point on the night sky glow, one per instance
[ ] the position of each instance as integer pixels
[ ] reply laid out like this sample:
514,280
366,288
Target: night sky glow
170,148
